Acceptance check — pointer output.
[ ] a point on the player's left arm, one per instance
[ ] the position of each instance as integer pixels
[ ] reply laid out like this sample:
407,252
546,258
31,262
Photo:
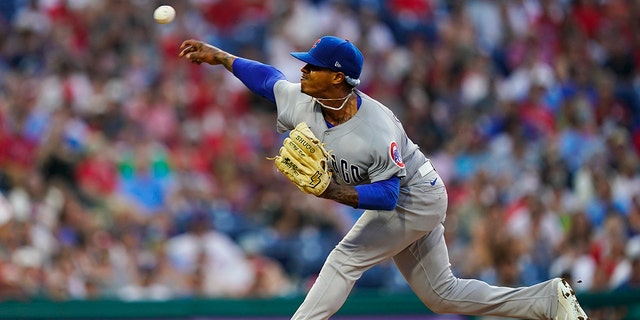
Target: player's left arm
379,195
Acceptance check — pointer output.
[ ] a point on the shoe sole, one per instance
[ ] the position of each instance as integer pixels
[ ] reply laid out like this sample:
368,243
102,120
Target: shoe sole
570,302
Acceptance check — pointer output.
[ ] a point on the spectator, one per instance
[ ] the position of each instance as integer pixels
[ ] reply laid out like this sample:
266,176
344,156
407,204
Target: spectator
227,271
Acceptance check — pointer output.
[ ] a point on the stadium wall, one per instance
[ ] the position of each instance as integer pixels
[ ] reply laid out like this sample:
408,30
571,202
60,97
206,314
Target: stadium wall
362,305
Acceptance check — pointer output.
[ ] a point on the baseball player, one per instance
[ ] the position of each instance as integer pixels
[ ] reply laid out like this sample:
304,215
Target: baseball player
376,167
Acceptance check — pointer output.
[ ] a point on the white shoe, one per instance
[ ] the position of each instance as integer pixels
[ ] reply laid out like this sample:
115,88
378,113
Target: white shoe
568,306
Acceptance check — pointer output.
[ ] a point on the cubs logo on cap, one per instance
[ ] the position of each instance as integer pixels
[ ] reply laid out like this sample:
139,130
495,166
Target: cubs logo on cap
336,54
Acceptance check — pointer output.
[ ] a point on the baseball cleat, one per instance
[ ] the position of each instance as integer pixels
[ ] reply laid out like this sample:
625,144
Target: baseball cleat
568,306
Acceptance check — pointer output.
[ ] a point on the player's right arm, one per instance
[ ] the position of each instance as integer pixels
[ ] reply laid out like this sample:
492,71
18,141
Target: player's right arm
258,77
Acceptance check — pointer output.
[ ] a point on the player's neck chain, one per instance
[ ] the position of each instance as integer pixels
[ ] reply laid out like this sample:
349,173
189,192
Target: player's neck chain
345,98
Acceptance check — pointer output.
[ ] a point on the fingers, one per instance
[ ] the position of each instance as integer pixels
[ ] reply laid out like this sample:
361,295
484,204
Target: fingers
188,43
185,51
192,56
191,50
188,47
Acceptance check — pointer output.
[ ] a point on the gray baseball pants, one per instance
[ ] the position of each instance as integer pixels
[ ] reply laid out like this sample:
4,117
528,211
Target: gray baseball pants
414,238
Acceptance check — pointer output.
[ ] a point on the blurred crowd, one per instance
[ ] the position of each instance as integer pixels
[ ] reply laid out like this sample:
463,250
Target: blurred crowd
128,173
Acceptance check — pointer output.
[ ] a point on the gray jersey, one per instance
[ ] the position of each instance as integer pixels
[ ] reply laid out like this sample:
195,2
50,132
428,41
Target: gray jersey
372,146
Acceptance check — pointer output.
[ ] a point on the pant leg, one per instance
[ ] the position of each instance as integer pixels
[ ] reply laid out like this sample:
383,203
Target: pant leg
425,265
375,237
414,237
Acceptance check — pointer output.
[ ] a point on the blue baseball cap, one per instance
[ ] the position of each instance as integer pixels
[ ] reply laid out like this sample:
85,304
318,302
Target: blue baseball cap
336,54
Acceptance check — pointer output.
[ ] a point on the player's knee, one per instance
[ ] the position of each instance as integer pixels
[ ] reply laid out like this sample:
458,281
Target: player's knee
441,306
438,298
343,263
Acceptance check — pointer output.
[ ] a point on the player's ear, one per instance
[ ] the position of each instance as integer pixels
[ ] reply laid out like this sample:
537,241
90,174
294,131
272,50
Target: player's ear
338,77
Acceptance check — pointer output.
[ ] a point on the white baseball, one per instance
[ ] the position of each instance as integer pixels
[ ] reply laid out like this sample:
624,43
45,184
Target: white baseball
164,14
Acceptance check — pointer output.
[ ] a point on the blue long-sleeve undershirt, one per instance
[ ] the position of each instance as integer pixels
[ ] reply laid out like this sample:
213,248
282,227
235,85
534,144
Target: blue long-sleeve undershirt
260,78
380,195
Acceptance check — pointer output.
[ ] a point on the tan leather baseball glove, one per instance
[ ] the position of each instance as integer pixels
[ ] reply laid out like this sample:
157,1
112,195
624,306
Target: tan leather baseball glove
303,159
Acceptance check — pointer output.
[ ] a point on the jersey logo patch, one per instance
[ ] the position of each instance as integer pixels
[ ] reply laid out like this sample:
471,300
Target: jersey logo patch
395,154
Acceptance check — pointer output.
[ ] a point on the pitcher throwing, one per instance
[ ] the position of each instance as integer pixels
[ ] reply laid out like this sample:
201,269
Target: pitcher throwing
372,164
